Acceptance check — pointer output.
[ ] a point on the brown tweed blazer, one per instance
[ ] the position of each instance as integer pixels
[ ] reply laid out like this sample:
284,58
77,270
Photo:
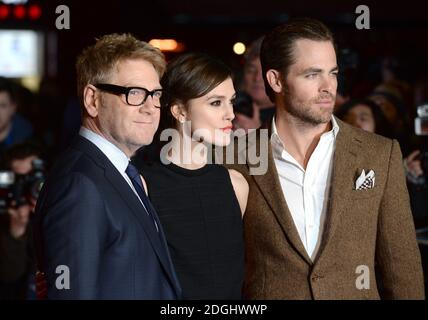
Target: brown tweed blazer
373,228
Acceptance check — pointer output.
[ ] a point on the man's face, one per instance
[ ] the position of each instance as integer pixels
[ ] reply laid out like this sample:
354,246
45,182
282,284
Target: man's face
130,127
311,83
361,116
254,84
7,110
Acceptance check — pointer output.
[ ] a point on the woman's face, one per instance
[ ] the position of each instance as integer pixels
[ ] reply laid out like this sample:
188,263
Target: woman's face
361,116
211,115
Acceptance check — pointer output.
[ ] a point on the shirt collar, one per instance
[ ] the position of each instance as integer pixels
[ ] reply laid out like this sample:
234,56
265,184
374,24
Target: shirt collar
119,159
335,128
278,146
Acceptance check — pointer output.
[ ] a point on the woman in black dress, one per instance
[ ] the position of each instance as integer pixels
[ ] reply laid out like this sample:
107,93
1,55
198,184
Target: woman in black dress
200,205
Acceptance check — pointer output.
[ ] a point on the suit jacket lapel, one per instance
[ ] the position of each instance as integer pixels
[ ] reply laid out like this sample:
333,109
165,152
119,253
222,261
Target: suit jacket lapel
347,151
271,190
171,271
155,238
124,190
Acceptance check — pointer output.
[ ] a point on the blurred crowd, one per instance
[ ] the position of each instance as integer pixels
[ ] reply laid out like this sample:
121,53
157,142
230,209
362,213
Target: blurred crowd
36,127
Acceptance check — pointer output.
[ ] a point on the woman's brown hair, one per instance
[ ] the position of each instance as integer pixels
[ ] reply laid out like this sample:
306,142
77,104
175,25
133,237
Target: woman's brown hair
188,77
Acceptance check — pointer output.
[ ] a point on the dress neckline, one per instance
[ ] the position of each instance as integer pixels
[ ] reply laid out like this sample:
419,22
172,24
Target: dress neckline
188,172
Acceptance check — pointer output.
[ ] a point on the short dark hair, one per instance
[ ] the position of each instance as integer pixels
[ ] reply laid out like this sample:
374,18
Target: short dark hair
21,151
277,47
382,126
188,77
7,86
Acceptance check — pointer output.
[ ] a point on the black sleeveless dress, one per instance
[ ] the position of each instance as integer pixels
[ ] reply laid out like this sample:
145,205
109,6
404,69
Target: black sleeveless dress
201,218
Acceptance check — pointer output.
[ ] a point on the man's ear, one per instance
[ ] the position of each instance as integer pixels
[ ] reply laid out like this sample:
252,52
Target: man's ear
90,100
274,79
179,112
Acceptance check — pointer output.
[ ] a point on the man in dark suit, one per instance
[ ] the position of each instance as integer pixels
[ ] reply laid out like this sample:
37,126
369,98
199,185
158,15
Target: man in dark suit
97,235
330,217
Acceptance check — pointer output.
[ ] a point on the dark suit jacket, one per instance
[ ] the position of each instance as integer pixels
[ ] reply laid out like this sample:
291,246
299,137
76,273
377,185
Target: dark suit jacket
89,219
372,228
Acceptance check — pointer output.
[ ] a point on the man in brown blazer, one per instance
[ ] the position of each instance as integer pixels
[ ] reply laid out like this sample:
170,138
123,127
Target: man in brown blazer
330,217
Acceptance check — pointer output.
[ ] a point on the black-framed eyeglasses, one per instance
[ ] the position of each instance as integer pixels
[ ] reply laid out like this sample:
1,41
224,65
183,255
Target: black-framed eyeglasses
135,96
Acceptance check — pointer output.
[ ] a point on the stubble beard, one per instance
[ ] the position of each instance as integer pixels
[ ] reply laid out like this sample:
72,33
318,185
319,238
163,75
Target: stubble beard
308,113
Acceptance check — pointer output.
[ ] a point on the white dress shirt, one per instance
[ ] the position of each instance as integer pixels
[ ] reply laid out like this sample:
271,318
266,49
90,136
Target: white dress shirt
306,192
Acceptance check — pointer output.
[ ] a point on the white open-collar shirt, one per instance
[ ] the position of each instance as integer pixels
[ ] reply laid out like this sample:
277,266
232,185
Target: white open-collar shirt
306,192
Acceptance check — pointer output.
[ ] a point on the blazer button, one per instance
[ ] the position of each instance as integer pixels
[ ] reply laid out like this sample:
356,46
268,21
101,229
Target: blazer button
317,278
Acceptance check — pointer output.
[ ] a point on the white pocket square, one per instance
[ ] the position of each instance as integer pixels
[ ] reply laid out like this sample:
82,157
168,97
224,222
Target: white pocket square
365,181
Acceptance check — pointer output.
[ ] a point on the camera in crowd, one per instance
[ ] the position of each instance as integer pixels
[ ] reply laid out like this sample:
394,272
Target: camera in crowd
421,121
17,190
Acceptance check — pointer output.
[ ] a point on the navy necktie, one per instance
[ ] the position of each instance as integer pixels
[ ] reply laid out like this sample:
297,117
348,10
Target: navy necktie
134,175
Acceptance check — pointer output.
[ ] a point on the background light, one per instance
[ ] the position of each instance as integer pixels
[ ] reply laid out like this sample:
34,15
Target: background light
170,45
239,48
4,11
19,12
34,12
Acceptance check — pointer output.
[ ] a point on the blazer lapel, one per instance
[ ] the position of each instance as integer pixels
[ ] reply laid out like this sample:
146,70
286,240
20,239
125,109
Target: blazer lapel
271,190
347,152
171,272
156,240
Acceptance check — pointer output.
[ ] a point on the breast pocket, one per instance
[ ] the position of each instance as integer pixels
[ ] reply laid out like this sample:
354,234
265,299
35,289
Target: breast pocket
366,194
